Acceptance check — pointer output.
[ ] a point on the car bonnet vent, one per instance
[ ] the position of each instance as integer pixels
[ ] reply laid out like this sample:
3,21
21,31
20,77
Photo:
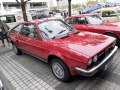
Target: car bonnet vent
65,37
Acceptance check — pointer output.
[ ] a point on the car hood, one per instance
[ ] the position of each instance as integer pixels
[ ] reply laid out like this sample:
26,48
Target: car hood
86,43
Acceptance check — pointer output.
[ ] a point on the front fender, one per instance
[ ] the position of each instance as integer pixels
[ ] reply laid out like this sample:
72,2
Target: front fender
70,63
59,55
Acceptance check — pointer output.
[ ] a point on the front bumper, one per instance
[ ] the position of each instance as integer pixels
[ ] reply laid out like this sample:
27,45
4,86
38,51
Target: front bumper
1,85
96,68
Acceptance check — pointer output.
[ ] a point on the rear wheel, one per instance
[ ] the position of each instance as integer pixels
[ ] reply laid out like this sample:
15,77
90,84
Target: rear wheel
117,39
60,70
16,50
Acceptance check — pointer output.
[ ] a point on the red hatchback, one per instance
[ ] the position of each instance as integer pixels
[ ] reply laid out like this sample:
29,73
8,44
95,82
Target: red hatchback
68,51
94,23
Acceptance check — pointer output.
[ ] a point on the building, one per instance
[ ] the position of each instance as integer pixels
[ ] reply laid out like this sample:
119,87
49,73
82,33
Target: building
11,6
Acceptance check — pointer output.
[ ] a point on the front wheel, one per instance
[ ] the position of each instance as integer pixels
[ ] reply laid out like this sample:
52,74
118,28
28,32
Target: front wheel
16,50
60,70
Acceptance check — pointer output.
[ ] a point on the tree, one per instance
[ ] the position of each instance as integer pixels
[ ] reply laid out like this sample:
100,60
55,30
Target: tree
69,7
75,6
91,2
22,4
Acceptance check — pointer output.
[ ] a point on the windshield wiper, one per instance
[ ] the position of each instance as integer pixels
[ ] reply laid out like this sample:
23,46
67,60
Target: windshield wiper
61,31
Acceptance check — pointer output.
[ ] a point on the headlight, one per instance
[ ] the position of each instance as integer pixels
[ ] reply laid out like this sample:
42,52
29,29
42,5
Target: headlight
95,58
90,62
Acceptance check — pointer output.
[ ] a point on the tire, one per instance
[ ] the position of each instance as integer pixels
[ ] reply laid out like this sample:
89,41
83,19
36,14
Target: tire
16,50
117,39
62,73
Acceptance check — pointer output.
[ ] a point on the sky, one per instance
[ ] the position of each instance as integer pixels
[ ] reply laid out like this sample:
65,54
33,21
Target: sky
83,1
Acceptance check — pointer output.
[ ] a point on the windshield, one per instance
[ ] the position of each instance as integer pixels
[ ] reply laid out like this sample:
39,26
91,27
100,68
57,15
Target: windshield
54,28
95,19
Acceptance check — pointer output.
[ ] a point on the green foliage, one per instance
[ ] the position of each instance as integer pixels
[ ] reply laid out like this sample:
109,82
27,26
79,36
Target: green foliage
91,2
76,6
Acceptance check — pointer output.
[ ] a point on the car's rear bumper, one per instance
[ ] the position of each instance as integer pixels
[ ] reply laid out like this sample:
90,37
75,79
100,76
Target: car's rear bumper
1,85
96,68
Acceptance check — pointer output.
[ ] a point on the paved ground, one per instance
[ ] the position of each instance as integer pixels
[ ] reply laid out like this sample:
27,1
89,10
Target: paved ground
28,73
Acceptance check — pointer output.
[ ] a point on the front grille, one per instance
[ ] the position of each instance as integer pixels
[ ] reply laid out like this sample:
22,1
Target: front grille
101,56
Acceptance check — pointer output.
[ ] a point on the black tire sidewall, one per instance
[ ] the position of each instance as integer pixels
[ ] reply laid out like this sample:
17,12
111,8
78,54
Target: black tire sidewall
19,52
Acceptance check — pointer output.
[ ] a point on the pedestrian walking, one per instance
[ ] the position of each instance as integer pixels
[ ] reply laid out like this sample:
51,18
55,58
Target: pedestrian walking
3,32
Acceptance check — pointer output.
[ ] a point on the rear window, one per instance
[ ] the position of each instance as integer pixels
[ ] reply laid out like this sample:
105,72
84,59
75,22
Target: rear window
8,18
109,14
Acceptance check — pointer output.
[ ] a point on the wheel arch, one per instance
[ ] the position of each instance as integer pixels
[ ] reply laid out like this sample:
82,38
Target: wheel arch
115,36
51,56
106,33
58,56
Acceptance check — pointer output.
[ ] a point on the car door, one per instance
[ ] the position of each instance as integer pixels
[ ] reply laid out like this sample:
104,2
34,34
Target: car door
78,22
32,42
15,35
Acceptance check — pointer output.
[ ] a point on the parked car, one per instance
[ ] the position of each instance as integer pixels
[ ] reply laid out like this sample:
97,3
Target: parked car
94,23
111,14
68,51
39,16
1,85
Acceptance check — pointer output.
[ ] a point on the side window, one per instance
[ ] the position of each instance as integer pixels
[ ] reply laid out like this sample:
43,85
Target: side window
11,18
8,18
75,21
17,29
29,30
82,20
109,14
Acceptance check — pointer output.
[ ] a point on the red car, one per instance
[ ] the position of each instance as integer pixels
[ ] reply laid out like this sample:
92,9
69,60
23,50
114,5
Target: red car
94,23
68,51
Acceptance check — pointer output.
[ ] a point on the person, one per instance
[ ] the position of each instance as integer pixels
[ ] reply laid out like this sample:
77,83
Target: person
3,32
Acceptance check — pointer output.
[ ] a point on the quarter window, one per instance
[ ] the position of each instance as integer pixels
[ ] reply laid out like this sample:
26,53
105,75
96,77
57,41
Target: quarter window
17,29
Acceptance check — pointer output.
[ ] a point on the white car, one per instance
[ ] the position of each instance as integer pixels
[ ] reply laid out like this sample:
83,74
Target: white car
111,14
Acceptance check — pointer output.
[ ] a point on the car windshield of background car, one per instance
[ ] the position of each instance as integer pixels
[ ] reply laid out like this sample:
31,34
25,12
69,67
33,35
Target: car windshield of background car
94,19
